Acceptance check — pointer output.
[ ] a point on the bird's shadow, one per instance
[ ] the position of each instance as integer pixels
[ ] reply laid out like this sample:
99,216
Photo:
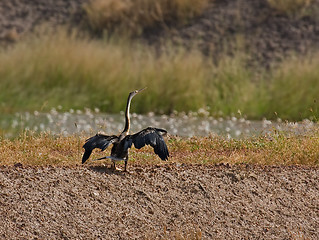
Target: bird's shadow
107,170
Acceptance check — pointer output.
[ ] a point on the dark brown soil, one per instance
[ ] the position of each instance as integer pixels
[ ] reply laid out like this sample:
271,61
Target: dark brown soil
164,202
267,35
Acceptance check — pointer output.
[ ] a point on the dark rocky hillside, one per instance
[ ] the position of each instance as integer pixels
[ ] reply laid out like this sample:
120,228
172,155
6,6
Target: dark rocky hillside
252,26
229,25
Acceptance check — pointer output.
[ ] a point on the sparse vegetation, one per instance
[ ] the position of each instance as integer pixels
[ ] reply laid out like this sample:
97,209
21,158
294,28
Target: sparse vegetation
133,16
289,7
275,149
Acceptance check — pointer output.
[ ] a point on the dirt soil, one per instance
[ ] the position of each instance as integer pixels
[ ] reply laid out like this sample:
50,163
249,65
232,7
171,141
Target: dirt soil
159,202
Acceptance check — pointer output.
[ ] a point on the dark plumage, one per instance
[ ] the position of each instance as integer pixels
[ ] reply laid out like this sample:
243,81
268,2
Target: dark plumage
148,136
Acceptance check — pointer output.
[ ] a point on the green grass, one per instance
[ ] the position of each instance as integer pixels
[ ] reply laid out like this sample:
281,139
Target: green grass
76,72
274,149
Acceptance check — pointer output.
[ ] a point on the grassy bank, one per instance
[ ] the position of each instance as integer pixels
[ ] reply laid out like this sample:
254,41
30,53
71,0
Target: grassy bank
76,72
276,149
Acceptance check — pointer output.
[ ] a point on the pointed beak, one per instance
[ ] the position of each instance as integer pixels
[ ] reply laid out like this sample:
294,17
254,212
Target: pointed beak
141,89
132,94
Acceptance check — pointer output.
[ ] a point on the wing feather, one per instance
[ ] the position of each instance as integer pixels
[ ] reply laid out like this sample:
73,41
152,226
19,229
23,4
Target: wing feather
100,141
149,136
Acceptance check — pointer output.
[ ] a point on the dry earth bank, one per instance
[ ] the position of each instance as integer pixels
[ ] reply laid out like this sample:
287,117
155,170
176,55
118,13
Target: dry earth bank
160,201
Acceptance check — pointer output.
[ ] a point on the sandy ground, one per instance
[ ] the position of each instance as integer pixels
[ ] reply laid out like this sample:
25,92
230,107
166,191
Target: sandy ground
159,202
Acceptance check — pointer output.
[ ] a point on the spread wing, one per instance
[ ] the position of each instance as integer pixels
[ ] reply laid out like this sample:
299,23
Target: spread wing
98,141
149,136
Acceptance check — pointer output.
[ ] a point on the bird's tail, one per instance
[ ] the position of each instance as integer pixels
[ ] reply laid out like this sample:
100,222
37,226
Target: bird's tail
86,155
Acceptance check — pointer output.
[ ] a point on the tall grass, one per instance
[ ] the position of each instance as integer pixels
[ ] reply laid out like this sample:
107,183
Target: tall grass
294,89
76,72
64,70
133,16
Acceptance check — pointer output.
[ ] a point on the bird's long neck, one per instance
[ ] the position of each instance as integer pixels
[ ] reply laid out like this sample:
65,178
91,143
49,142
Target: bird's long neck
127,116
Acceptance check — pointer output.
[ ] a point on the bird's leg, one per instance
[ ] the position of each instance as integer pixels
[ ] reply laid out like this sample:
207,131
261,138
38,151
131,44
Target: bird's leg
113,165
125,164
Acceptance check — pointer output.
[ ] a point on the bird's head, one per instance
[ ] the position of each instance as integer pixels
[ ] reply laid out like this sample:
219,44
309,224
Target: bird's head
132,94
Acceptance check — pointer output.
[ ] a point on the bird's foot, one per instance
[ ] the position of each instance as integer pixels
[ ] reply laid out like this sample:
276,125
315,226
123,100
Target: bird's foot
113,168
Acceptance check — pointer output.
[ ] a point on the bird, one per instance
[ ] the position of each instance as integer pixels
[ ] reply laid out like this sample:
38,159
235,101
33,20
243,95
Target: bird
121,143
